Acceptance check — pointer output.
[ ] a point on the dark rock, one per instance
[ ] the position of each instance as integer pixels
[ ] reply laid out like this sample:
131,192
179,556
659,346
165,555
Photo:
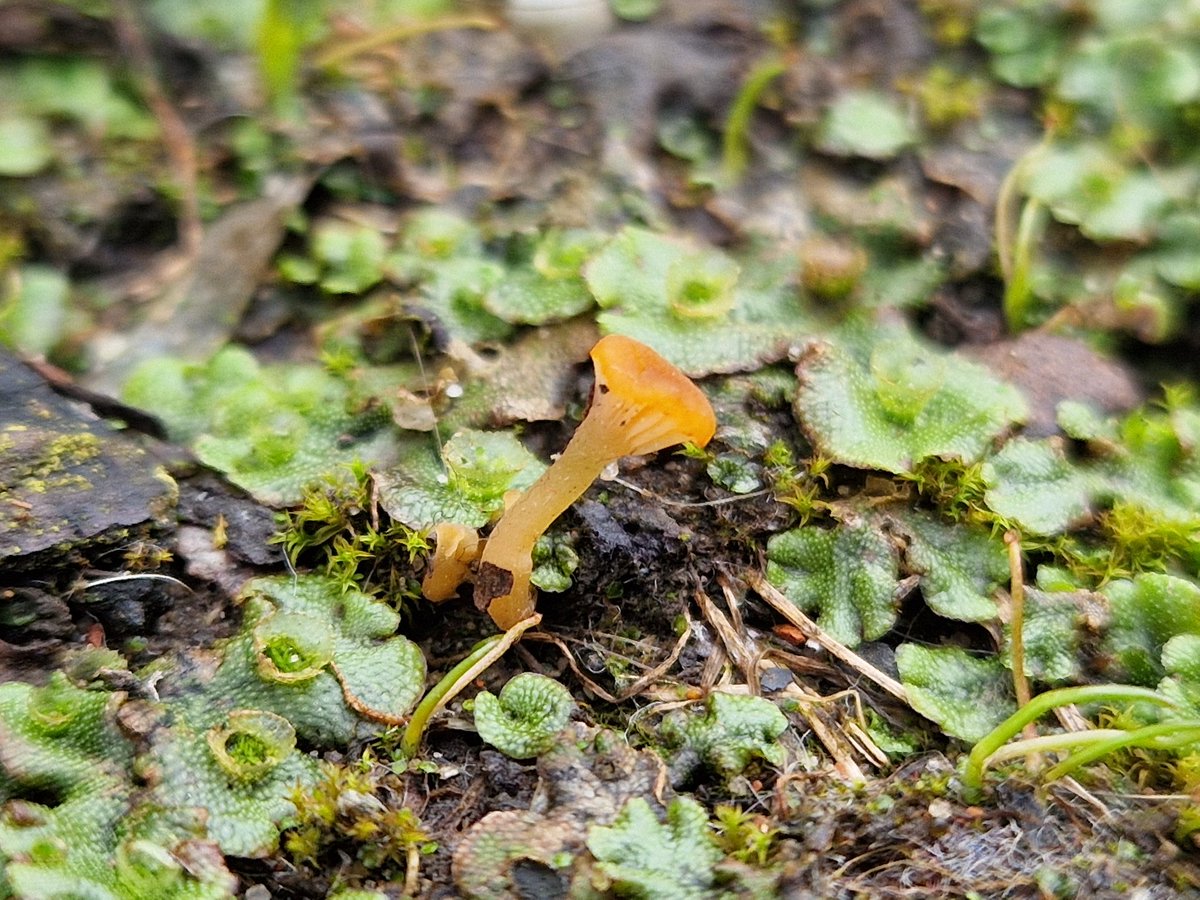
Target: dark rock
66,477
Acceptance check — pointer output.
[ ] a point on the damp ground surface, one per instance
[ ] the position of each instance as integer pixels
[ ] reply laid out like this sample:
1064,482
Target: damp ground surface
285,286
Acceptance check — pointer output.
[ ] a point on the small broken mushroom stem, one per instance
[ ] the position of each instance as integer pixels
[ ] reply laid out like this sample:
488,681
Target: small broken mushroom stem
456,549
641,403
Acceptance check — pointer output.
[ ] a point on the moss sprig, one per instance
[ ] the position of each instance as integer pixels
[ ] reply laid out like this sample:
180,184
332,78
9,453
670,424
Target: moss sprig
800,486
354,810
340,529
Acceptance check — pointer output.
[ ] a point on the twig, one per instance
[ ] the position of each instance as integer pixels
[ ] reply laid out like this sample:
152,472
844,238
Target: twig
715,670
853,728
1070,784
732,639
798,663
786,608
588,683
1016,570
177,140
376,39
634,689
858,737
733,604
839,746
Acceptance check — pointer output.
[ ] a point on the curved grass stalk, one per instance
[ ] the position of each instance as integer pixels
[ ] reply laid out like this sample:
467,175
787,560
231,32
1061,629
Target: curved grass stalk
735,142
335,56
982,752
1052,743
1160,736
1015,241
1018,292
452,683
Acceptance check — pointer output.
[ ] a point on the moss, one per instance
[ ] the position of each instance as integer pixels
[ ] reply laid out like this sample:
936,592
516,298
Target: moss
1142,540
342,815
951,21
744,836
340,529
955,488
802,486
948,98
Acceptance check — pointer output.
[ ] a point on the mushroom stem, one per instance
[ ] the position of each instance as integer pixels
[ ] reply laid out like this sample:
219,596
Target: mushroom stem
457,548
641,404
526,520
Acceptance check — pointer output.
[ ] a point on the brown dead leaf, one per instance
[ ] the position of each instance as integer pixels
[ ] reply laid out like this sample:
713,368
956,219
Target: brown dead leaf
195,315
1049,369
529,381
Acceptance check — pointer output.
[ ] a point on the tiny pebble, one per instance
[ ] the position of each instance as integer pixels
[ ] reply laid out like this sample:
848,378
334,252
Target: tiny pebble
775,679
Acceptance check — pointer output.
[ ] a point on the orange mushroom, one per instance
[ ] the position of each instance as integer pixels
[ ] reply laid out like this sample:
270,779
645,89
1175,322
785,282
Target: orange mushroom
456,549
641,403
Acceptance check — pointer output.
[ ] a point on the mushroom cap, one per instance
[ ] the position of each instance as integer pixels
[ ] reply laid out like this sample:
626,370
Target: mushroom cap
632,373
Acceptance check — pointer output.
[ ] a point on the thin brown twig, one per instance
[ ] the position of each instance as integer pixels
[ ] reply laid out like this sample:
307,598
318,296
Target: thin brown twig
1071,719
797,662
548,638
732,638
855,727
786,608
1016,591
839,747
634,689
715,670
177,140
662,668
732,602
1072,786
862,741
1016,572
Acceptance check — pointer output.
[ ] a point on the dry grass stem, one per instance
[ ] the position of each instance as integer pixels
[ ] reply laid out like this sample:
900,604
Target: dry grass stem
786,608
634,689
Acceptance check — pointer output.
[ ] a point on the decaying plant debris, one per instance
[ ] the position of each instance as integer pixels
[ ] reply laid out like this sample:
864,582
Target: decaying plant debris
292,292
